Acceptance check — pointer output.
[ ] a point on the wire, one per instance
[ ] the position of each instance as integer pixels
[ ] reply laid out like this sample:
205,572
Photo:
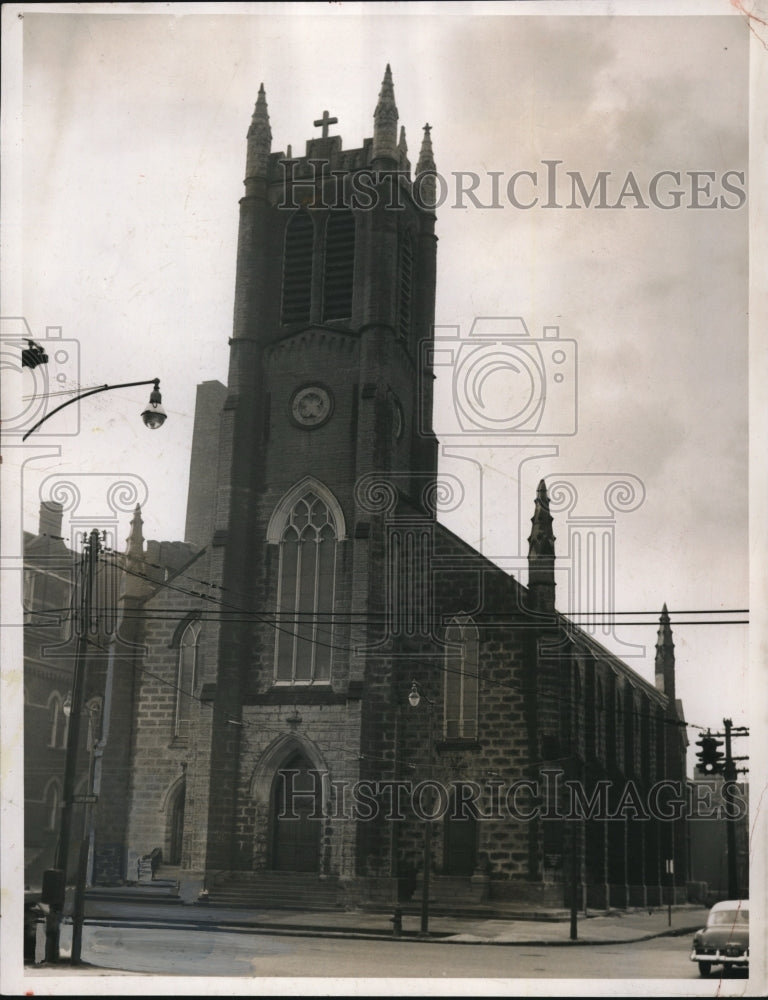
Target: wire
444,668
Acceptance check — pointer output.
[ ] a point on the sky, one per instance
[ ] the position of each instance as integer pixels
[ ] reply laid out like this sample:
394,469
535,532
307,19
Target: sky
130,132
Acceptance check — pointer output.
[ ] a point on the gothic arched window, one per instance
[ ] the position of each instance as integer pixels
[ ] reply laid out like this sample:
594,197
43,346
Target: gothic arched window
339,275
297,269
461,678
306,525
186,677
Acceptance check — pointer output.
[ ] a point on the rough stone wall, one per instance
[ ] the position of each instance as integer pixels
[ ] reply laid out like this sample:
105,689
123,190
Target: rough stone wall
160,758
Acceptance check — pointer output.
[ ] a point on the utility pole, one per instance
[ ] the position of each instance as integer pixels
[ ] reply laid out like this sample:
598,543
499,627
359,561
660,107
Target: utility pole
85,624
713,761
729,777
729,774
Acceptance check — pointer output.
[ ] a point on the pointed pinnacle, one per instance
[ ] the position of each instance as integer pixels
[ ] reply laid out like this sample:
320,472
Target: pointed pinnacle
386,95
260,112
135,540
541,540
385,121
426,156
402,144
259,138
664,635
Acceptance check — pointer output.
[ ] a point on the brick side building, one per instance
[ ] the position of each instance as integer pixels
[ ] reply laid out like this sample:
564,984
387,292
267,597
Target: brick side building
323,666
49,567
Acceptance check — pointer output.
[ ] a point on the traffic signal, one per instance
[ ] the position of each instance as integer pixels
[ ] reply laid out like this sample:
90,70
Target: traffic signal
33,355
710,756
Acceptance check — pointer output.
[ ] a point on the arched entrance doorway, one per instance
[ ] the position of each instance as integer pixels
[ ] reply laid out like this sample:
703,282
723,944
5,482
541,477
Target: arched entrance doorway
176,833
296,816
460,847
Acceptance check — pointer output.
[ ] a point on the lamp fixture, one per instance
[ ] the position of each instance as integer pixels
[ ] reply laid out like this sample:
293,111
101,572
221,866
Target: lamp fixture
154,415
414,696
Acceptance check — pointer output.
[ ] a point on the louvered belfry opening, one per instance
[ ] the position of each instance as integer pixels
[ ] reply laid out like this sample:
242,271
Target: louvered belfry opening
406,275
339,265
297,269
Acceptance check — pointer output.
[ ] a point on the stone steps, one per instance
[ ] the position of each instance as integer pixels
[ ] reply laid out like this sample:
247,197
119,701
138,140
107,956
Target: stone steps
276,890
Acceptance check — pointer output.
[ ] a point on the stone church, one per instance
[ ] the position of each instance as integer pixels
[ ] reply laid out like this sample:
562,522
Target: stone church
324,690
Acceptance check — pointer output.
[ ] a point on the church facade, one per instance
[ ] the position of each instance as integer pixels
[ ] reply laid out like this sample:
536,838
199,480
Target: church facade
325,687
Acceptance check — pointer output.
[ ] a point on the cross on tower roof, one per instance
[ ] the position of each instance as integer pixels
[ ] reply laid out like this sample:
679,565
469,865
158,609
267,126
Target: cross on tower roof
325,121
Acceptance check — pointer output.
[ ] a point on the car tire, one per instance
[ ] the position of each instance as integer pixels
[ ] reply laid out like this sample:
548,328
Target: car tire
704,969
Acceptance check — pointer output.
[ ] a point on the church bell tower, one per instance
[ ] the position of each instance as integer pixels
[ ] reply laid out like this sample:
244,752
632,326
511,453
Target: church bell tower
330,384
334,303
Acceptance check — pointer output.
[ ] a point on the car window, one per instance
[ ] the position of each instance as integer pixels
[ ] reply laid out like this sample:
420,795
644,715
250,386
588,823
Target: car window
721,917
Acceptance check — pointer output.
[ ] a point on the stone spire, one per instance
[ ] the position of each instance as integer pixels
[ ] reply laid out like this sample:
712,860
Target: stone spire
541,554
259,139
134,546
665,659
385,121
133,585
425,185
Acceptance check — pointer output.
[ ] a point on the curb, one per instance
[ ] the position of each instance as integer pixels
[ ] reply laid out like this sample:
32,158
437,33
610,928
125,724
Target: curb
410,937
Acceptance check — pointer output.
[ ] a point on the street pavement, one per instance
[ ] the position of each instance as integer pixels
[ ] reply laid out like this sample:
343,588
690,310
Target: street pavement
618,927
613,927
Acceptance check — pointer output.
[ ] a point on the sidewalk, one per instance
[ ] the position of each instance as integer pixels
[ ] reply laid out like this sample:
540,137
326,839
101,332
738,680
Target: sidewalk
615,927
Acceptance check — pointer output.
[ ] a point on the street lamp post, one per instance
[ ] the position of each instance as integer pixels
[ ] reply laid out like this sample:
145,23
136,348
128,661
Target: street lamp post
414,699
153,415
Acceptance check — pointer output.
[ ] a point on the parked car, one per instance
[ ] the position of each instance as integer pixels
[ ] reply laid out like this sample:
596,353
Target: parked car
725,939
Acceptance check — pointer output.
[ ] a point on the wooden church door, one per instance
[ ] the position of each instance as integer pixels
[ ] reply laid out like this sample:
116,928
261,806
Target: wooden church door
460,856
296,822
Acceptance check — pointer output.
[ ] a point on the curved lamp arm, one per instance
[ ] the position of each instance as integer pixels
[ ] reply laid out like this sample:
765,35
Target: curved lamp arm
154,415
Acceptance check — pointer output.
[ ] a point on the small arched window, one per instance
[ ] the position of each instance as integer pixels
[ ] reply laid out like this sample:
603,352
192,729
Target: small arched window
186,677
307,527
659,749
297,269
51,800
600,719
59,722
646,740
339,276
461,678
620,716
